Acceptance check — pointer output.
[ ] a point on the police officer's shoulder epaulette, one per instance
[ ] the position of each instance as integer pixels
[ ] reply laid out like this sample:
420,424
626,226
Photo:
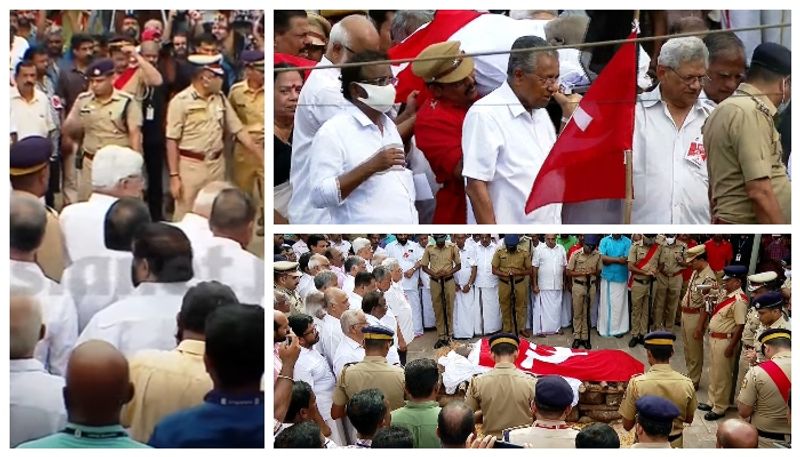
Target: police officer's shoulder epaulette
123,94
83,95
237,85
344,370
516,427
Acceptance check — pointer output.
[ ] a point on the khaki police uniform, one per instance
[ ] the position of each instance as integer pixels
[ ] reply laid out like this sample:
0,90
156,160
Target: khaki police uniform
441,260
546,434
199,125
693,308
781,323
769,408
743,145
104,123
583,286
640,289
248,169
669,281
504,396
374,372
295,304
662,381
505,261
721,329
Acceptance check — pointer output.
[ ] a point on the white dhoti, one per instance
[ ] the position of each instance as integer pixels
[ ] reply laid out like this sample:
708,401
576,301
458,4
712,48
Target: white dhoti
487,304
612,316
428,318
413,297
566,309
464,314
421,309
547,312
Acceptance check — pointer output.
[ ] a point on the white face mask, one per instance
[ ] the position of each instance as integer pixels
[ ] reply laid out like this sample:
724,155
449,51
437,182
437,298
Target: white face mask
379,98
670,241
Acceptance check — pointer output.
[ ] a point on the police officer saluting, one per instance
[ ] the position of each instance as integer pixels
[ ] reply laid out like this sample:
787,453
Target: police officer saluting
100,117
197,119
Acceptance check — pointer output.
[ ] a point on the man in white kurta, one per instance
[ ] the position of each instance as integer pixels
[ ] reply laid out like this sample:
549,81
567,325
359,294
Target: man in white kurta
408,252
487,300
548,263
670,174
330,331
398,302
350,349
464,311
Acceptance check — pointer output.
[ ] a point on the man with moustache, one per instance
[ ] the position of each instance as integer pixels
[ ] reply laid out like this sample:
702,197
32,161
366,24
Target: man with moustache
451,81
726,65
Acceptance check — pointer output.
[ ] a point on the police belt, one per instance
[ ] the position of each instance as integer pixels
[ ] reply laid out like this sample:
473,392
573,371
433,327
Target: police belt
772,435
88,155
199,156
643,281
583,283
675,437
449,278
689,310
516,280
721,336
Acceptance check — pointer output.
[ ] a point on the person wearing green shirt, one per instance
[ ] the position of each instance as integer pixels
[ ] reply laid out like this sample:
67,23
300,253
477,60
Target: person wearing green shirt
420,415
567,241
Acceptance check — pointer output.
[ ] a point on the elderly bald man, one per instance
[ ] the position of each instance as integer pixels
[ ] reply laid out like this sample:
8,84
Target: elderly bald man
37,405
736,433
97,387
195,223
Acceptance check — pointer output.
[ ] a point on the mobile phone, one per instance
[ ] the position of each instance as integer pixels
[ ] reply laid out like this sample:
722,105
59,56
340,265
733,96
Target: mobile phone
506,445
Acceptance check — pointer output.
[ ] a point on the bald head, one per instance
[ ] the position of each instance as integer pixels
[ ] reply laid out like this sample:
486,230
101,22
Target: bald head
97,384
336,302
26,325
456,422
28,219
205,198
355,32
232,216
736,433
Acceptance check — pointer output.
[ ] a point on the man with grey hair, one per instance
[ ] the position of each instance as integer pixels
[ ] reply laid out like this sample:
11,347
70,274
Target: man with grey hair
353,266
507,136
281,302
37,403
335,303
317,263
315,304
26,230
325,279
398,302
670,178
351,348
406,22
362,247
116,173
726,65
320,100
195,223
568,29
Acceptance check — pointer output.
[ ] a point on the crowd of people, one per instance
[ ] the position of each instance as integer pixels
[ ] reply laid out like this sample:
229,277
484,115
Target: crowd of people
711,134
347,308
134,322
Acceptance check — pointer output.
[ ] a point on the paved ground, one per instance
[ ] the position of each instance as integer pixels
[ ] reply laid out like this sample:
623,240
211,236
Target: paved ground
701,433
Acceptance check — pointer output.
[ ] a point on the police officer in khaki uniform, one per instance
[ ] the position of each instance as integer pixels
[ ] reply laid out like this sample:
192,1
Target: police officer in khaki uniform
662,381
669,279
30,173
765,390
247,99
551,406
374,372
786,287
502,397
440,262
725,331
512,266
757,285
583,267
654,418
747,178
694,310
287,277
642,261
197,119
100,117
769,309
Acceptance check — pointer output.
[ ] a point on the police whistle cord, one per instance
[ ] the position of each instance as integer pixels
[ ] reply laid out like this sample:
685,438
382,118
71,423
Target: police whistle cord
579,46
513,303
443,298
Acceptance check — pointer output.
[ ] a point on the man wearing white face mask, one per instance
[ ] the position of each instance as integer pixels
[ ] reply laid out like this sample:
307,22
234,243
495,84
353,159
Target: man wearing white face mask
358,166
748,182
669,279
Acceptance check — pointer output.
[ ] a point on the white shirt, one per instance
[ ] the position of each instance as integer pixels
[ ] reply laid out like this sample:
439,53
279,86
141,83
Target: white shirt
483,259
467,262
398,304
83,226
196,228
225,261
330,337
505,146
37,401
341,276
312,368
355,300
670,173
342,246
95,282
345,142
348,351
320,99
299,247
144,320
391,323
551,263
31,118
349,283
58,314
407,256
306,286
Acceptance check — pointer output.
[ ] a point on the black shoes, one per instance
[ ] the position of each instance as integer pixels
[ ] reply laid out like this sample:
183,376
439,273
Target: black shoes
587,344
633,342
712,416
576,344
704,407
441,343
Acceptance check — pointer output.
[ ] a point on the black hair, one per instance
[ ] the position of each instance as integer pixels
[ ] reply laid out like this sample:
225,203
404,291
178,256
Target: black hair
205,38
232,209
421,376
305,435
522,60
313,240
301,398
167,250
235,344
299,323
504,349
78,39
23,64
780,343
283,19
355,73
659,352
722,43
376,345
393,437
363,278
370,301
379,17
654,428
286,65
756,72
365,410
200,301
352,261
456,421
303,261
597,436
122,221
34,51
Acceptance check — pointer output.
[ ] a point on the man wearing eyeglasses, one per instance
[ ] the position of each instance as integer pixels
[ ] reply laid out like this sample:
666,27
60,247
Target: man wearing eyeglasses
669,161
